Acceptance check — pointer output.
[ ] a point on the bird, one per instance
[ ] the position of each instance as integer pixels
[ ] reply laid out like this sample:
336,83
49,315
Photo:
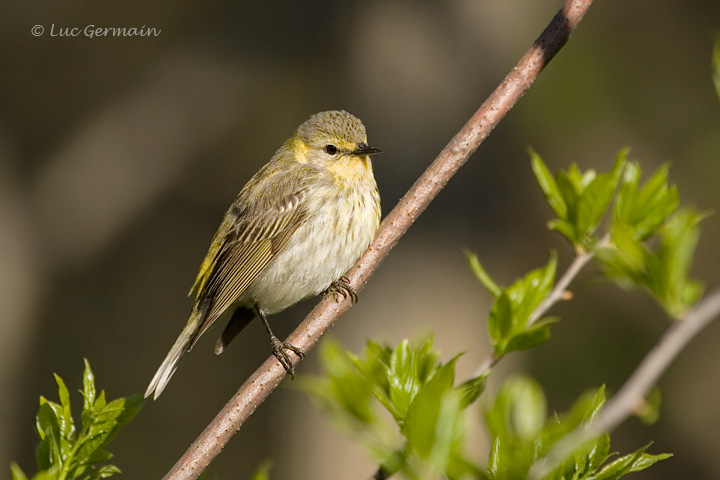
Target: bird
293,231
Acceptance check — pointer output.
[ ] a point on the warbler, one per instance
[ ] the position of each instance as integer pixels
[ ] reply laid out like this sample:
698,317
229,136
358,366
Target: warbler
292,232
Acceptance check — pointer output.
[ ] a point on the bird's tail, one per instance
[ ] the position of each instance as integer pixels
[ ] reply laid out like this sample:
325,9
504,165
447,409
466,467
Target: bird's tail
170,364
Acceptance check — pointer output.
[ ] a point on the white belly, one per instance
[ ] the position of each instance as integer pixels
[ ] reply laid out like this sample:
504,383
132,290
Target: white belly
319,252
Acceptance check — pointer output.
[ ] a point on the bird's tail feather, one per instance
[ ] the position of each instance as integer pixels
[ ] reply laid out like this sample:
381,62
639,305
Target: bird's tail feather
170,364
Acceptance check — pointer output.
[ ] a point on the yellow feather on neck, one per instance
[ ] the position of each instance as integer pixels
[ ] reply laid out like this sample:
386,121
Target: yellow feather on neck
352,169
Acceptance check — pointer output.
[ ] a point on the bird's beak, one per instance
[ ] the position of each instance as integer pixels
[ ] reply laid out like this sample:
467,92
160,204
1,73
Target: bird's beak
365,149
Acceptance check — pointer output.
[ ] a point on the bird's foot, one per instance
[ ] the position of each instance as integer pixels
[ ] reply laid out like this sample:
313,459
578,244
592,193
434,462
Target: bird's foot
280,348
342,286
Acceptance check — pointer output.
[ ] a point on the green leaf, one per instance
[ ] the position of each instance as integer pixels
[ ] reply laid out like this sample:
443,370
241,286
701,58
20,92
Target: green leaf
500,323
594,199
527,410
627,260
517,411
655,201
342,385
263,471
645,209
432,424
48,428
17,473
647,460
579,199
481,274
496,460
105,471
569,189
394,462
88,386
465,468
374,367
98,456
528,292
548,185
632,254
599,452
63,393
533,336
449,433
564,228
581,179
471,389
633,462
511,311
402,378
583,411
51,474
434,427
650,410
515,417
64,415
129,407
422,416
588,407
671,284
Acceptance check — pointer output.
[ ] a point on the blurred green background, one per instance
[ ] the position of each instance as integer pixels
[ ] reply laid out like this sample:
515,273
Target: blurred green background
119,156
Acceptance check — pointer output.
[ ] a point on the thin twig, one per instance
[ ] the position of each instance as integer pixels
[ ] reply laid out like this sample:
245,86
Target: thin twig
211,441
633,392
559,292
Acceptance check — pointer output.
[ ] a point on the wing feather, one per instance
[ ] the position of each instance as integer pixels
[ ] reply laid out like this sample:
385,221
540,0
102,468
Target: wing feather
241,250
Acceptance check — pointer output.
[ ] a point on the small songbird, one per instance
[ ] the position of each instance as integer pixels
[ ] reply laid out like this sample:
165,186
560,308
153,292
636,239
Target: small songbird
297,226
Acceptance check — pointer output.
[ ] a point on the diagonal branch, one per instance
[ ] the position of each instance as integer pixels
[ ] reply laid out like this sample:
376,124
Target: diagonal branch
632,394
261,383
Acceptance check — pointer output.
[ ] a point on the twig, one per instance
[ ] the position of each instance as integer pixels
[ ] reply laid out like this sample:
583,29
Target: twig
633,392
451,158
559,292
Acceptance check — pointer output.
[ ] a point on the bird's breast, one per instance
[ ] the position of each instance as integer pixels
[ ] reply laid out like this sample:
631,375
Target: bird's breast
341,224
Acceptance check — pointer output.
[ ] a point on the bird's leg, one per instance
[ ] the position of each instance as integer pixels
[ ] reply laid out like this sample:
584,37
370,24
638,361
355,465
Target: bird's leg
342,286
279,348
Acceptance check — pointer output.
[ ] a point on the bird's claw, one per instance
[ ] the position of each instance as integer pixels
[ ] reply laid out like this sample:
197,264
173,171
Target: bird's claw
280,348
342,287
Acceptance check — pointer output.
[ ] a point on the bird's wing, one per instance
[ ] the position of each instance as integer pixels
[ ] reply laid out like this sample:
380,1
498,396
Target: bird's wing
250,236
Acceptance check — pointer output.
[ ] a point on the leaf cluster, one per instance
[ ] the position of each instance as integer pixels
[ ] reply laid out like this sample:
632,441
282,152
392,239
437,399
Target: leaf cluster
649,243
579,199
522,433
64,453
417,393
422,431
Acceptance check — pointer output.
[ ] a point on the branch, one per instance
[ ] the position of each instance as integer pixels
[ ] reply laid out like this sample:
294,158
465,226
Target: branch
560,292
261,383
633,393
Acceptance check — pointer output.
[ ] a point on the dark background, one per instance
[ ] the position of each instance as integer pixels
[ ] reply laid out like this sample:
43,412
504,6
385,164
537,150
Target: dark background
119,155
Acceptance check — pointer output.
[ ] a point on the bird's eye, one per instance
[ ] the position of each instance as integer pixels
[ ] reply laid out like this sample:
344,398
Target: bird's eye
330,149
